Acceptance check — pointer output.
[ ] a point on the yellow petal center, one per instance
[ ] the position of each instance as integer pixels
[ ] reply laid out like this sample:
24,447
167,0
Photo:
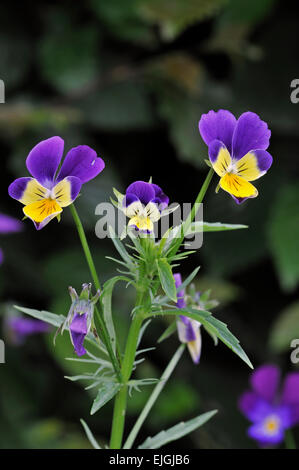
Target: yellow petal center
39,210
237,186
142,223
271,424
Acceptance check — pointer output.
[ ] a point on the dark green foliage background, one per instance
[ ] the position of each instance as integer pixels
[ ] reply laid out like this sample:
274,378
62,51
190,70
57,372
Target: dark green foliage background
131,79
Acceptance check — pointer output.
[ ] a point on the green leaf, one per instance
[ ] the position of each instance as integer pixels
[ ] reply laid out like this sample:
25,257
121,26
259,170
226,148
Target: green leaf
120,248
285,328
107,306
213,326
166,278
174,16
168,332
213,227
123,20
48,317
107,391
89,435
15,58
59,61
283,233
181,113
247,11
118,106
176,432
55,320
188,280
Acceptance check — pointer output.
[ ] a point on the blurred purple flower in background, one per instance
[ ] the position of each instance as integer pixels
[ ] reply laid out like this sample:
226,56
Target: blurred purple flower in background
271,411
8,225
18,328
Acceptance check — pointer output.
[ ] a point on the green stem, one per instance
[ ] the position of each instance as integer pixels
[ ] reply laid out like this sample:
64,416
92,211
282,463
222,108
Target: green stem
120,404
289,440
85,247
152,399
187,224
94,275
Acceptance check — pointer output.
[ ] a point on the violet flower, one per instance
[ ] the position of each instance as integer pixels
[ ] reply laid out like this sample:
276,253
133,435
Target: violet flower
270,411
50,190
79,318
237,150
143,204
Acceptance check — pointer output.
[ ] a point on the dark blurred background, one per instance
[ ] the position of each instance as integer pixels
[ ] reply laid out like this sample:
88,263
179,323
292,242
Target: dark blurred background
131,79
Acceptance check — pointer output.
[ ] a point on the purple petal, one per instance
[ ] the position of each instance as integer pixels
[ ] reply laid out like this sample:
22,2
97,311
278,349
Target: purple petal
82,162
142,190
160,197
264,159
17,188
40,225
129,199
43,160
254,407
264,381
78,331
189,333
181,294
9,224
258,431
186,329
218,125
214,148
67,190
290,393
285,414
294,414
250,133
239,200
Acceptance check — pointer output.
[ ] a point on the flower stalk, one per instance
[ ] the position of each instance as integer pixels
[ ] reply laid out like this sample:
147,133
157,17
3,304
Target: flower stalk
95,278
187,224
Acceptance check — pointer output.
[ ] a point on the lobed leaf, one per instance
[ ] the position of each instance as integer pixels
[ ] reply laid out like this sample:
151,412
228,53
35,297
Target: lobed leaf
107,391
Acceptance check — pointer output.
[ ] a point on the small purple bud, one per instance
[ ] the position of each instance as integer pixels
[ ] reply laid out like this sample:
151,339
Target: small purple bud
79,318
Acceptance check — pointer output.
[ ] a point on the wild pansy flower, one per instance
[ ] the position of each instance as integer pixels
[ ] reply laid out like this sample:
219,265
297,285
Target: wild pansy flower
80,316
8,225
18,328
188,329
50,190
237,150
271,412
143,204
